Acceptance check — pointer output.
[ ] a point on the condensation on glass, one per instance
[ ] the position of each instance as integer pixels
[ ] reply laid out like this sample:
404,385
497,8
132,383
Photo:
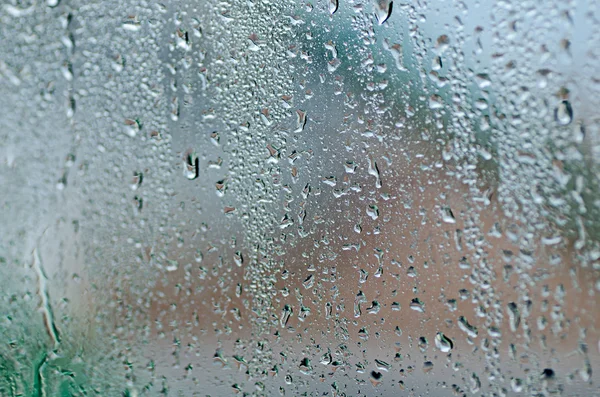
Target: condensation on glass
299,198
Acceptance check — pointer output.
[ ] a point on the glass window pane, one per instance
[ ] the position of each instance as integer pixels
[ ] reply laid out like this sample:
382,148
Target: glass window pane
299,198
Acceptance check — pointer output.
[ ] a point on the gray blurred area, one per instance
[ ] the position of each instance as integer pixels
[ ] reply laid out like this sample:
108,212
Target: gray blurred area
353,198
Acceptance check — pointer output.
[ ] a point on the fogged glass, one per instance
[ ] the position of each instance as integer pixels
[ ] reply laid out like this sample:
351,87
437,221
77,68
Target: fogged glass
299,198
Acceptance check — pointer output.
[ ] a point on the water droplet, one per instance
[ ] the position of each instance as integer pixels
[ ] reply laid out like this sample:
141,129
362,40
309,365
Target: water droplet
219,357
175,109
417,304
443,343
215,138
373,211
305,366
360,298
182,39
286,222
436,102
374,170
517,385
132,24
138,204
363,334
376,378
514,316
423,344
548,373
301,120
221,187
383,10
328,310
382,365
374,308
45,305
326,359
136,181
464,325
563,114
285,315
475,383
442,43
190,165
308,282
427,366
238,259
448,215
333,6
363,275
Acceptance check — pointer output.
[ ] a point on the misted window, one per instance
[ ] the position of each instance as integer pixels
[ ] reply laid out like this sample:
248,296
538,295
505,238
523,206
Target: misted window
299,198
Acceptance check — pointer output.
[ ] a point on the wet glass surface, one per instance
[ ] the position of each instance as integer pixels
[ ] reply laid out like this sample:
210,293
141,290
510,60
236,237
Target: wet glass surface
314,198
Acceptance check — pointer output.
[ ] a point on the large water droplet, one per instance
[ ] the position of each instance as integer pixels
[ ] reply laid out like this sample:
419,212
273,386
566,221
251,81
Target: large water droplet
383,10
417,305
190,165
464,325
443,343
514,316
563,114
333,6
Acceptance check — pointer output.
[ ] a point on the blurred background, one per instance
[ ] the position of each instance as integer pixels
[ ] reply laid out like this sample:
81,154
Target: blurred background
301,198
